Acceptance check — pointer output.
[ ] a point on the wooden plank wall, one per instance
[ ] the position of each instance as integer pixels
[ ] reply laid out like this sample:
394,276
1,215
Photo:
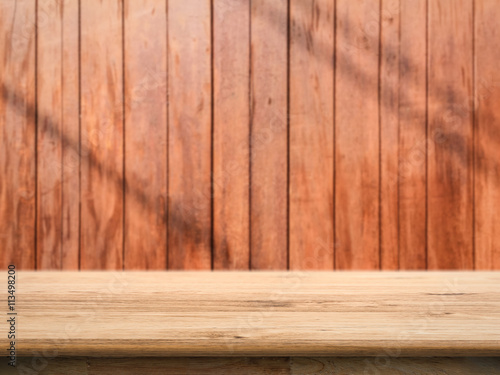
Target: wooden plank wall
261,134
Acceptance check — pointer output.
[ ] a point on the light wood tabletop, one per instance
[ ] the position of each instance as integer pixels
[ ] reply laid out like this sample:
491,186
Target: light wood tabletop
394,314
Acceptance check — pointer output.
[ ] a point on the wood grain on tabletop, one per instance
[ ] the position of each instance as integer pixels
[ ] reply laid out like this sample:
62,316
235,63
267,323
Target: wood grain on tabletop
269,129
231,143
101,63
487,150
412,135
311,135
145,63
261,365
17,134
450,178
259,313
357,135
189,135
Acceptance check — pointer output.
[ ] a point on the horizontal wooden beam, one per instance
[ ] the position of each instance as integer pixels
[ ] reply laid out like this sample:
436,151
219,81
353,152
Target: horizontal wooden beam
131,314
255,366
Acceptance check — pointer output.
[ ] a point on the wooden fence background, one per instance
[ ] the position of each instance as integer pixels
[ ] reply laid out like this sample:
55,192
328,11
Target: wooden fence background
261,134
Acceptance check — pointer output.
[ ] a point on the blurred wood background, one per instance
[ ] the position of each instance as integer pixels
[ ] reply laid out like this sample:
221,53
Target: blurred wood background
260,365
261,134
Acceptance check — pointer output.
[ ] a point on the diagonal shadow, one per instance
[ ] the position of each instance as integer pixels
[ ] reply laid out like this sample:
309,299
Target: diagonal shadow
184,220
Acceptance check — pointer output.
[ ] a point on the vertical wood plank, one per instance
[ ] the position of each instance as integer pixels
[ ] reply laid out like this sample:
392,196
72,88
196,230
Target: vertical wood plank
102,135
71,136
487,150
389,132
450,135
231,133
269,133
145,54
58,128
189,134
50,134
357,135
17,134
412,135
311,134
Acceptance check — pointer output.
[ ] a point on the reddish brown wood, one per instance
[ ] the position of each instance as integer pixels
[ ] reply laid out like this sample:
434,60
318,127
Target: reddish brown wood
194,365
50,134
389,143
145,134
311,134
71,136
412,135
231,133
102,135
487,136
17,134
386,364
57,135
269,129
450,77
389,132
357,135
189,134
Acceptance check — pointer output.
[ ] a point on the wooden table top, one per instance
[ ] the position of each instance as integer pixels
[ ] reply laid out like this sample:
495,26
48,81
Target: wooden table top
258,313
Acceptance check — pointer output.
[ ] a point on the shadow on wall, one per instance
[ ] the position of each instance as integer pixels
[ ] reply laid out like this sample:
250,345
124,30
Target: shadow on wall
447,138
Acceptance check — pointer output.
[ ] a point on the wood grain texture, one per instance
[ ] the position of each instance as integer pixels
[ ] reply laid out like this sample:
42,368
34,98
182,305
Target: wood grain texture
259,313
269,132
231,146
383,364
17,134
449,185
102,134
49,134
311,134
357,135
71,150
208,366
57,135
412,135
189,135
46,364
389,132
393,365
487,137
145,62
207,144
